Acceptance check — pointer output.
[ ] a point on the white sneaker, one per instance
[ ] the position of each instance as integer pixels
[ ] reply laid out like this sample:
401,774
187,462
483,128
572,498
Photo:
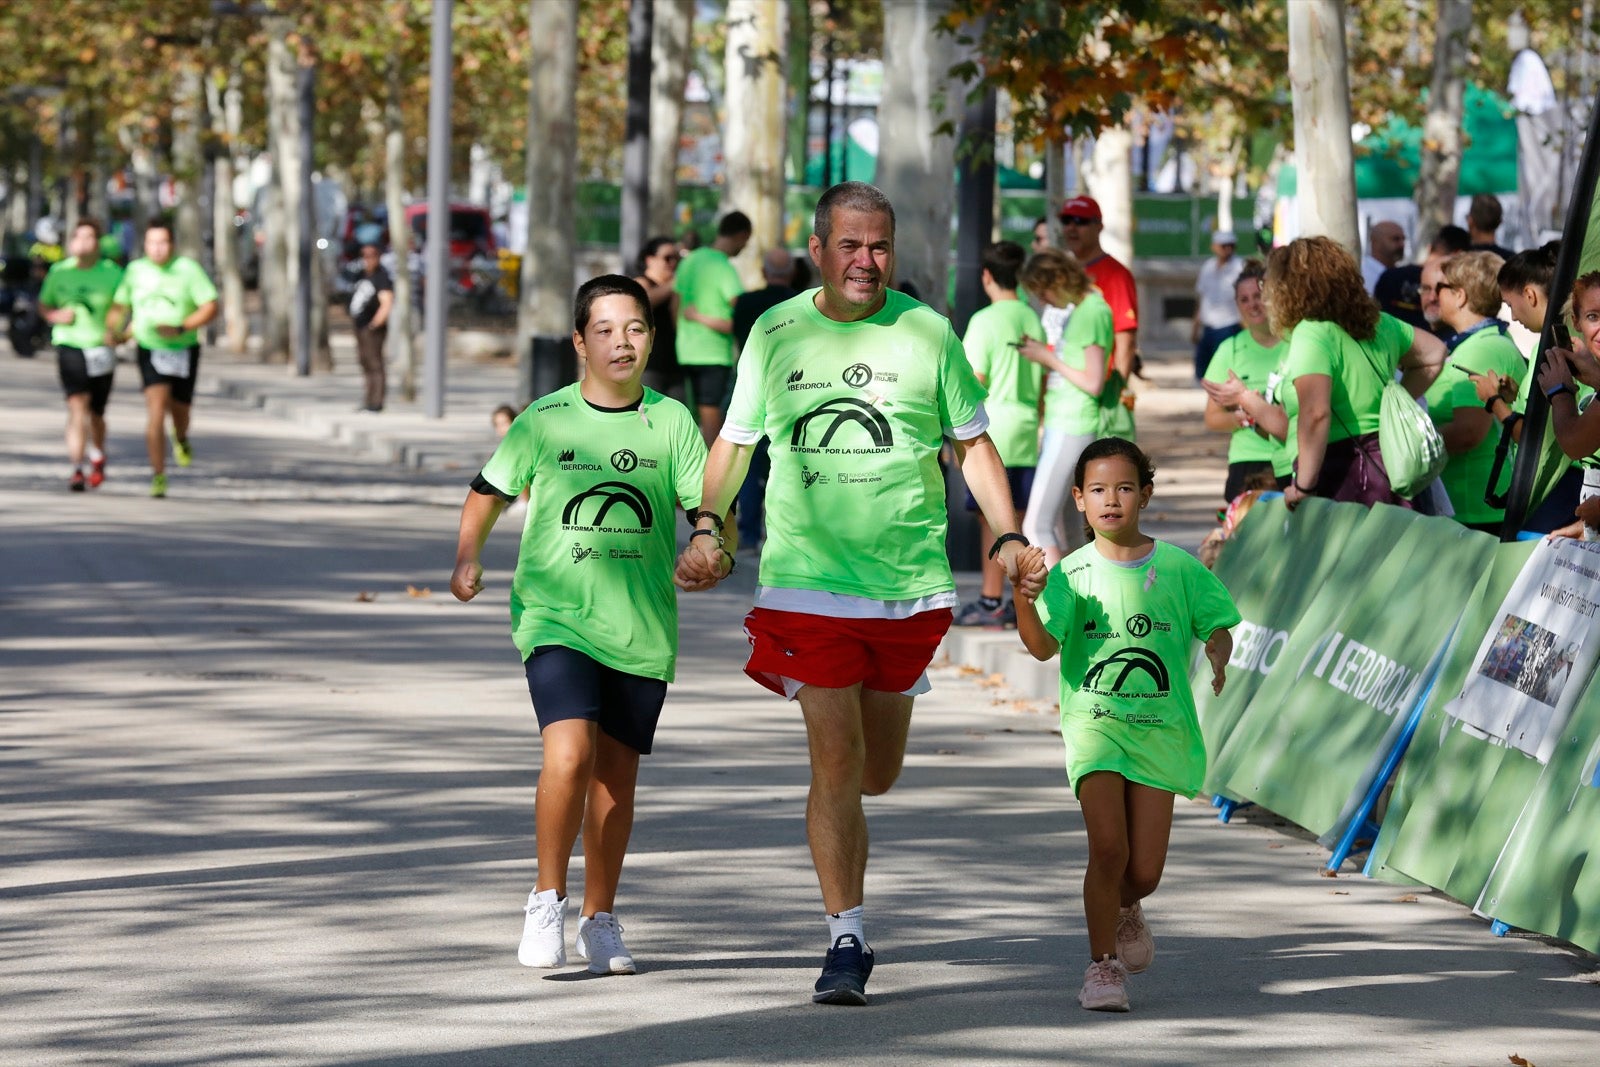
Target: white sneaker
600,942
544,937
1105,986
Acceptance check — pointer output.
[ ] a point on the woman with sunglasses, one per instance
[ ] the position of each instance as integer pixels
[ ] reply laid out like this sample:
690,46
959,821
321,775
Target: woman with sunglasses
657,269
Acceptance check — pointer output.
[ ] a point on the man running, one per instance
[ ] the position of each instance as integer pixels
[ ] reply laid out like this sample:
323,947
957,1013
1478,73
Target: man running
856,386
76,295
1081,226
707,284
170,298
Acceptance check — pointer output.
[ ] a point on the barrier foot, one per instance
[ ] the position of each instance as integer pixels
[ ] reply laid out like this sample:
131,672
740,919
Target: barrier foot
1499,929
1358,838
1226,806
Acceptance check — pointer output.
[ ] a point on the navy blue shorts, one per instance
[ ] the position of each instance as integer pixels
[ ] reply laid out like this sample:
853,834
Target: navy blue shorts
566,684
1021,479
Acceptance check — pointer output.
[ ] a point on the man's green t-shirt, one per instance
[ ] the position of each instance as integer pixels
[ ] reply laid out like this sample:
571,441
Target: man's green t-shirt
164,296
1466,476
1066,407
594,572
1360,371
88,291
707,282
1126,633
856,413
1255,365
1013,382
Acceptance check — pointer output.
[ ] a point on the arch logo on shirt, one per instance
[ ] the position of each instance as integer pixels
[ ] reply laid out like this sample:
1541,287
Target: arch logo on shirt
1130,672
616,501
864,428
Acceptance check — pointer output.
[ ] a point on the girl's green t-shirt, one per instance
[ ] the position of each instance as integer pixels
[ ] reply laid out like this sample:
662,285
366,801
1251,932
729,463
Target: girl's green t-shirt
1066,407
1126,633
594,571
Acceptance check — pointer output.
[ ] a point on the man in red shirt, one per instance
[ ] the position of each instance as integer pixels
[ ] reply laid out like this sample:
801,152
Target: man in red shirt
1080,232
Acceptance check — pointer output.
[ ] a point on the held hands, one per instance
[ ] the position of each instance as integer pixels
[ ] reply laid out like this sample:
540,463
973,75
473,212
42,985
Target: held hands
702,565
1025,567
467,580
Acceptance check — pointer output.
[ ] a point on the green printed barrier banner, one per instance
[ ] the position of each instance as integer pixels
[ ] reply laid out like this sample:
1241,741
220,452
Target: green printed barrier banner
1320,724
1457,793
1274,565
1548,877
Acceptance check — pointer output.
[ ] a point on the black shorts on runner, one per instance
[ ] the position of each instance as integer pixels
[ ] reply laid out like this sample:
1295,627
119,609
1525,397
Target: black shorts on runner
566,684
182,388
707,385
1021,479
74,370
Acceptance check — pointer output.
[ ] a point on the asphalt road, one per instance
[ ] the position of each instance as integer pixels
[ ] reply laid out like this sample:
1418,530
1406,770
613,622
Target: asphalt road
263,805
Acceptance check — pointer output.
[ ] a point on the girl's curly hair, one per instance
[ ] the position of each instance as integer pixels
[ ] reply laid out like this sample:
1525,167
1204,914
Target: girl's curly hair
1316,278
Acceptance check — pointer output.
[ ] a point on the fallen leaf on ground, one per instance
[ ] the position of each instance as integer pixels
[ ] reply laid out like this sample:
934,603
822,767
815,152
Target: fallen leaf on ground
1325,873
967,669
994,681
1409,898
975,733
1340,892
947,752
365,597
1274,846
1519,1061
414,591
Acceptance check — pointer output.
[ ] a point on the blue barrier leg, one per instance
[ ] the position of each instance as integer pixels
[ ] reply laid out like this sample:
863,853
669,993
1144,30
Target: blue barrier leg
1362,826
1227,806
1499,929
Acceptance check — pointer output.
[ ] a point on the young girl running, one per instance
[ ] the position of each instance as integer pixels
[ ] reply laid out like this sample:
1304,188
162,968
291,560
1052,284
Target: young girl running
1123,612
593,612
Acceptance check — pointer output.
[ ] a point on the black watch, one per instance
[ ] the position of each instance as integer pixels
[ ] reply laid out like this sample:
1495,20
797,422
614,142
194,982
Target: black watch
1488,405
994,549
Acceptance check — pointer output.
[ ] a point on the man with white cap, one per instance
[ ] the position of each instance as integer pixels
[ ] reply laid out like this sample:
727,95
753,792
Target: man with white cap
1217,317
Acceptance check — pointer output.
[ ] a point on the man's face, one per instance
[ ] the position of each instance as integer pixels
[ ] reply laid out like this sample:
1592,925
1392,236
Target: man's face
1388,242
1432,276
737,243
158,245
84,243
1041,236
857,263
369,258
1081,235
1222,252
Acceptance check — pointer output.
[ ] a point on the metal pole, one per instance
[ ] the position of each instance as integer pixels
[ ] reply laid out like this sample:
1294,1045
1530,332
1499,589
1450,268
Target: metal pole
437,247
975,177
303,340
636,138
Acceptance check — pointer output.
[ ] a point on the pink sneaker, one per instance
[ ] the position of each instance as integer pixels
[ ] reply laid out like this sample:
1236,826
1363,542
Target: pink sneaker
1135,947
1105,986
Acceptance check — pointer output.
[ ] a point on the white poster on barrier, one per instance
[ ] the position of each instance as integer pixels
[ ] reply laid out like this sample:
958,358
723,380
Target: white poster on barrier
1532,664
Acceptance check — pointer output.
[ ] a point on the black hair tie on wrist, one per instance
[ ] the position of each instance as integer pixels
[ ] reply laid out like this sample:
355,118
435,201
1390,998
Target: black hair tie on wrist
994,549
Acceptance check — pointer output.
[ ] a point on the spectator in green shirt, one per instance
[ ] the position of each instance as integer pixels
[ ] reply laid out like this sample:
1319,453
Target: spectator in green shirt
707,285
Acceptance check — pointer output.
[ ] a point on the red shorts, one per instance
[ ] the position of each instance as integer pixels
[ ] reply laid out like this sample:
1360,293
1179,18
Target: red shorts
887,655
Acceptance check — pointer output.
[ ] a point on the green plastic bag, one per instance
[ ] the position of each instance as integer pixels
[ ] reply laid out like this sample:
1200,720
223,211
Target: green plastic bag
1413,451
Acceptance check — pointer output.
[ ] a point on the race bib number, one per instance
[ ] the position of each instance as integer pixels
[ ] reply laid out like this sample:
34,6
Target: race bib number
170,362
99,361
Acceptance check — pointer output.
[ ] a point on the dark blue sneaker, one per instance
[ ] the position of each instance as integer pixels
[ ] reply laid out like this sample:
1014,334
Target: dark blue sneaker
844,973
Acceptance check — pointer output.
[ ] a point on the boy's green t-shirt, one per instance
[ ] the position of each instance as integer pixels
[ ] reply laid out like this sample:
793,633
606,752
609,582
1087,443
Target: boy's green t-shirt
1466,476
1255,365
707,282
1360,370
856,413
1126,636
88,292
594,570
164,296
1013,382
1066,407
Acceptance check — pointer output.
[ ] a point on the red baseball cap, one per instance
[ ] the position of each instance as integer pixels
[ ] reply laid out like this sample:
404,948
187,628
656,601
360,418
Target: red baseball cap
1082,207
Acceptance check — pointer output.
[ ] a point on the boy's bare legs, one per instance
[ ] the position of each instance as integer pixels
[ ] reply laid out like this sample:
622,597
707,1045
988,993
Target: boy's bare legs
564,779
607,821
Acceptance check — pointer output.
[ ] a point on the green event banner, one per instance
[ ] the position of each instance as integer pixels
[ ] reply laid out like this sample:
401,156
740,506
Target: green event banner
1548,876
1273,565
1458,792
1316,730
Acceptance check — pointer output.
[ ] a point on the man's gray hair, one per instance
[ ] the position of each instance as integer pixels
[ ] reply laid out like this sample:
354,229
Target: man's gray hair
851,196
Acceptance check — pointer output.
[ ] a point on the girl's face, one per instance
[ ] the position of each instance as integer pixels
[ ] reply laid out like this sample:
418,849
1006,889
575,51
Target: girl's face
1526,306
502,423
616,343
1586,317
1247,294
1111,497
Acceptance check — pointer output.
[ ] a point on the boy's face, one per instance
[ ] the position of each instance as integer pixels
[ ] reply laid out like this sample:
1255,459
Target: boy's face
615,344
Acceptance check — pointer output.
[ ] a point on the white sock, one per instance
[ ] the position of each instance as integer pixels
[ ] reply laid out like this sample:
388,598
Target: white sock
94,454
846,922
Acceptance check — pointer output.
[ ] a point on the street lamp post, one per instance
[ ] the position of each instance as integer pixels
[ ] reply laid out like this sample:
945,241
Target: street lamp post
438,238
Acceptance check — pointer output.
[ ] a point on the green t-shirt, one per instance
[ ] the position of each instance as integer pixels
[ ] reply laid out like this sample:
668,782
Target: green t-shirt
164,296
1126,636
1466,475
1359,379
856,413
1013,382
594,571
1255,365
707,282
88,292
1066,407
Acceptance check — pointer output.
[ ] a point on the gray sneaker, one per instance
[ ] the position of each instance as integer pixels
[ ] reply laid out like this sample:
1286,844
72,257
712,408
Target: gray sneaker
975,614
